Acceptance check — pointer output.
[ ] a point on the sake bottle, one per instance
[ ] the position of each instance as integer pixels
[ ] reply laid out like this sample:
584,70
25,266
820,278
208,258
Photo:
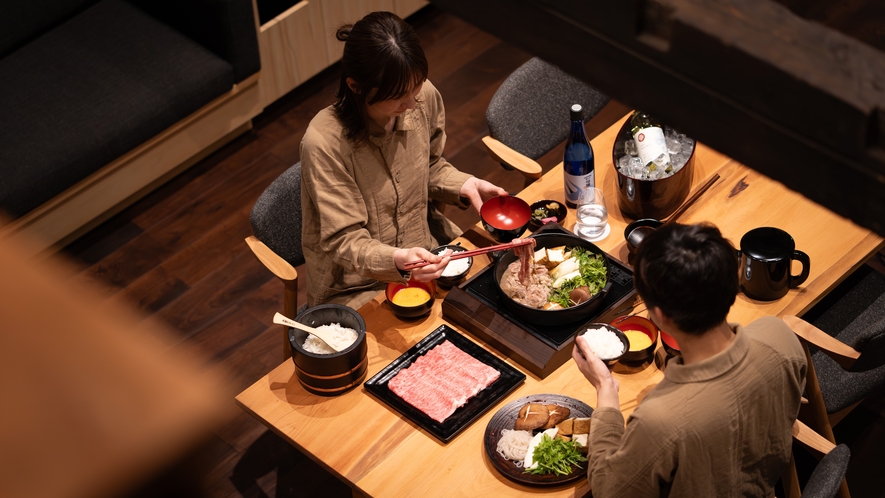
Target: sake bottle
650,143
578,163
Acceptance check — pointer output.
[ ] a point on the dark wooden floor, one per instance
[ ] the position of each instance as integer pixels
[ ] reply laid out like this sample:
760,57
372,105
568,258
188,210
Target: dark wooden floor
179,254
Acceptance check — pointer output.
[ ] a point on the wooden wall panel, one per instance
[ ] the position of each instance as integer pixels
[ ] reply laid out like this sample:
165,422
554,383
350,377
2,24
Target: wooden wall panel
338,12
405,8
293,49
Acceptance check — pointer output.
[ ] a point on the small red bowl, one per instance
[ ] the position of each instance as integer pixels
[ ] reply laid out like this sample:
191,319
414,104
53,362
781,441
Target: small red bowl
505,217
670,345
639,324
411,311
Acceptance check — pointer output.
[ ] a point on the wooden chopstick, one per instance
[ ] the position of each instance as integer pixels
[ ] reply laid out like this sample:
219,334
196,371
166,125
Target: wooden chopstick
411,265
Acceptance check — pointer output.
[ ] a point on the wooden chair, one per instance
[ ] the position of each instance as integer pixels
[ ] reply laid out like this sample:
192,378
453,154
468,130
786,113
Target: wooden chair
828,475
529,114
846,356
276,223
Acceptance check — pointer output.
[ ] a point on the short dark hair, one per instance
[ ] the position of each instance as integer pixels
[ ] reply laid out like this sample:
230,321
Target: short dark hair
381,51
690,272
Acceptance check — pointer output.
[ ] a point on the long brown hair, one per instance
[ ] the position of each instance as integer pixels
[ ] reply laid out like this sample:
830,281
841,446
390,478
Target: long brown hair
381,52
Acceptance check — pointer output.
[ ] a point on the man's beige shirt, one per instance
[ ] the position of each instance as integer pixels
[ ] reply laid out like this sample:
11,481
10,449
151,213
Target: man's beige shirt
362,203
721,427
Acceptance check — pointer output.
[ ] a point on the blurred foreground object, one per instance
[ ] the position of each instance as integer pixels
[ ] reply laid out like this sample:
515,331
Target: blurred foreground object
94,402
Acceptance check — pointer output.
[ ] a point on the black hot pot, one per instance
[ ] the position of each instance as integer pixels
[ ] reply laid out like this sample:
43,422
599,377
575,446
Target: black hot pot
559,316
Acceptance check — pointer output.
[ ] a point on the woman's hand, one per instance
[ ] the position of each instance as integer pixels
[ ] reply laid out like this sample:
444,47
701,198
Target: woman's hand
425,273
596,371
479,191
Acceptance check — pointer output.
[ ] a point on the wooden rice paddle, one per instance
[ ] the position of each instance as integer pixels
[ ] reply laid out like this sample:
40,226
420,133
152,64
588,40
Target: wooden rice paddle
324,336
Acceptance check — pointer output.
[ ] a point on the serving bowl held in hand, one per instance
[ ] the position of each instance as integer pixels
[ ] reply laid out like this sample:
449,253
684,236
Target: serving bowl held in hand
625,343
415,301
450,280
544,210
505,217
641,325
335,373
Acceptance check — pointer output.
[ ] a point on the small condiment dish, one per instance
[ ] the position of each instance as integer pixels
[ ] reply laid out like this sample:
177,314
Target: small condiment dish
636,231
551,209
644,326
416,310
448,281
335,373
670,345
614,330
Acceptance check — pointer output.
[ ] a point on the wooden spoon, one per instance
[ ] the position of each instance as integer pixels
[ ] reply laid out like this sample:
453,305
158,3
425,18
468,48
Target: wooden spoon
324,336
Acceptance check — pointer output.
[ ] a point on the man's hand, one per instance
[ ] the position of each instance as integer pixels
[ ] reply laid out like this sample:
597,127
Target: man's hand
597,372
479,191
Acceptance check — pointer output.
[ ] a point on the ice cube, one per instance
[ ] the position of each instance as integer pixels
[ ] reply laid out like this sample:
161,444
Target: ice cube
630,148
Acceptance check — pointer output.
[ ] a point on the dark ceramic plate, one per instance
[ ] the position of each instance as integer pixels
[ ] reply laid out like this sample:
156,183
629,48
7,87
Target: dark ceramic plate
508,381
506,417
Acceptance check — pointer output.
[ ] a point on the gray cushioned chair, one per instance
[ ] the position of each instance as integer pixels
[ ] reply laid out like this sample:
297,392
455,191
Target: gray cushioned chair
829,474
276,223
529,114
845,345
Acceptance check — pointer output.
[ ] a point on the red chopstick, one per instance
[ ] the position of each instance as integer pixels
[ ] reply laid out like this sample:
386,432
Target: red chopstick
411,265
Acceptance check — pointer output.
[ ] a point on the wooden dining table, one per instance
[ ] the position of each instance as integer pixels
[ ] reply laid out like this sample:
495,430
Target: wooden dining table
379,452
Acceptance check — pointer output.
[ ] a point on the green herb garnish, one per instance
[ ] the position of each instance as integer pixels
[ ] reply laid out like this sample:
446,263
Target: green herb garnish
592,276
555,456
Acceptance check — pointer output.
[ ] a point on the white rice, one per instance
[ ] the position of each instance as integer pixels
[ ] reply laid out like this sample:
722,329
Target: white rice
603,342
456,267
341,336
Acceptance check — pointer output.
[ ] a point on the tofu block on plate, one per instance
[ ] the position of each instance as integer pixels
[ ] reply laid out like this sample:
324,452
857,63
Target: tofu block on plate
581,426
566,426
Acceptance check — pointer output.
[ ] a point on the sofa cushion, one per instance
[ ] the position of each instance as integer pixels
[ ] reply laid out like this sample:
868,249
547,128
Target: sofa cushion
91,90
23,21
226,27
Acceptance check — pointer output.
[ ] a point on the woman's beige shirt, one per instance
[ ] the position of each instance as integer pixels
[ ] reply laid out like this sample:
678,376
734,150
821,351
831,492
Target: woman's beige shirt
362,203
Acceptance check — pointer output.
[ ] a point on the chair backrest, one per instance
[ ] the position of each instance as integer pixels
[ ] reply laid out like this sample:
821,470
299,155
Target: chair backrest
827,476
276,216
530,111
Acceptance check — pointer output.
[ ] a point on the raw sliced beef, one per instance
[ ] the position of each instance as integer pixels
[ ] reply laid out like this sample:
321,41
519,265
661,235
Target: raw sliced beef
442,380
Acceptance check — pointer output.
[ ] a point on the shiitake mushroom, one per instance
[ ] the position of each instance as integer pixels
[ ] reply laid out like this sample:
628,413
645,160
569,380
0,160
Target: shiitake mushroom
579,294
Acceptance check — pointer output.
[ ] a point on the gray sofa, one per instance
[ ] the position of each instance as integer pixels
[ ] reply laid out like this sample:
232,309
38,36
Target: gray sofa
83,82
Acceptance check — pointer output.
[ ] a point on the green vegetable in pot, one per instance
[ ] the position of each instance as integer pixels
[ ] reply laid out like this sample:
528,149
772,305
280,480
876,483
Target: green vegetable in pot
592,276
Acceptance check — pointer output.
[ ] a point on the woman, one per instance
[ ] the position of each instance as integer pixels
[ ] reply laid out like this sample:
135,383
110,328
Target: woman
374,182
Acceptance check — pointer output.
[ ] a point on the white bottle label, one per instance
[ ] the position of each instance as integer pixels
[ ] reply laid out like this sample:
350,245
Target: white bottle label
650,144
575,184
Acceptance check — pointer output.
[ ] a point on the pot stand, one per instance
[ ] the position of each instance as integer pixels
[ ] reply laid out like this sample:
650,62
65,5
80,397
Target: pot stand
475,306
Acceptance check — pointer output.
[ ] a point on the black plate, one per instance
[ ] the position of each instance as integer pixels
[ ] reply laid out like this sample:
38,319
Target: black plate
506,417
508,381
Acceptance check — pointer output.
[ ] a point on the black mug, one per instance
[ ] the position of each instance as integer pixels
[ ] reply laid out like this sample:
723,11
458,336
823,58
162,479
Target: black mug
766,257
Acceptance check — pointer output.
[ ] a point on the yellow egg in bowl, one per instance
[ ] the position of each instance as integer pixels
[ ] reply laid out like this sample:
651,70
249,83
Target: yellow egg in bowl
410,299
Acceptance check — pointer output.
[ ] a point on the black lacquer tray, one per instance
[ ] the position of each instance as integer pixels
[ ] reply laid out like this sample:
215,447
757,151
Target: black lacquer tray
475,305
509,380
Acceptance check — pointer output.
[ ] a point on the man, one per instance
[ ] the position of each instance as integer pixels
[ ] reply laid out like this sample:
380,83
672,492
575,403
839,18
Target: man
719,423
